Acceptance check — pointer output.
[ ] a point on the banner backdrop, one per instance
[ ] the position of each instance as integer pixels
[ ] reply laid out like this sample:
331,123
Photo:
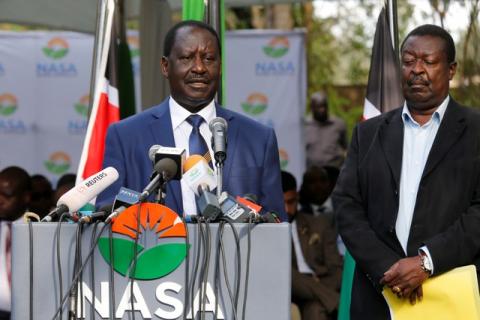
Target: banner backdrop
44,93
45,83
266,80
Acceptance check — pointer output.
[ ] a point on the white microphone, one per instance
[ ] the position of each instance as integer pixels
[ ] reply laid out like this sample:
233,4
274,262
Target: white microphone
82,193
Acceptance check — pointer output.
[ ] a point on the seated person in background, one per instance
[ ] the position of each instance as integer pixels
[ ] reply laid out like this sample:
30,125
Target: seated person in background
65,183
315,193
42,195
192,65
14,200
316,263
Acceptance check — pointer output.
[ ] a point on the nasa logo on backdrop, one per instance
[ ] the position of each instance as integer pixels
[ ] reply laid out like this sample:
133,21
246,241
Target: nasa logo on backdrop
78,126
9,123
256,104
58,163
56,50
278,64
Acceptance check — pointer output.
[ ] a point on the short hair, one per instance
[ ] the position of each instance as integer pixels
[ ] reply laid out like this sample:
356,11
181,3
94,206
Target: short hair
68,179
172,33
289,183
19,175
434,31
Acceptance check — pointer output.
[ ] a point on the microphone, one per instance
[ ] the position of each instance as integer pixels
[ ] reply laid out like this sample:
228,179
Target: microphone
197,172
99,215
218,127
207,203
234,210
83,192
114,214
158,152
166,169
260,214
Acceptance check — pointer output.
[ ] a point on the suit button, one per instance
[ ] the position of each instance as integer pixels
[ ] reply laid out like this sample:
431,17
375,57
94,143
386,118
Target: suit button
396,192
391,229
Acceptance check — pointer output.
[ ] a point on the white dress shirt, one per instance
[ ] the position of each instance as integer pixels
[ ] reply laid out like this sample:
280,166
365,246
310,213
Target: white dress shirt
417,142
181,134
301,262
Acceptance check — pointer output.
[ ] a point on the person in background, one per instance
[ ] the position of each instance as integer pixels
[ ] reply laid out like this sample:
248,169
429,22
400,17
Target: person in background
65,183
15,190
316,263
41,196
325,135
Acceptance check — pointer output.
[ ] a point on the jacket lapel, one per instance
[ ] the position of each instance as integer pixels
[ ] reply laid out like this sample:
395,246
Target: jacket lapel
392,143
161,129
450,130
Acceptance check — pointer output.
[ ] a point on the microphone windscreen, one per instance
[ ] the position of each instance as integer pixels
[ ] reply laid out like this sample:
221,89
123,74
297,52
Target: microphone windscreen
191,161
217,121
153,149
88,189
166,166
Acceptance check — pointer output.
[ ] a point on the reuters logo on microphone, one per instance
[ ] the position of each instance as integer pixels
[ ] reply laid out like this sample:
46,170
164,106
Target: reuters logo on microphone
58,163
256,104
56,48
155,258
282,153
8,104
81,107
277,47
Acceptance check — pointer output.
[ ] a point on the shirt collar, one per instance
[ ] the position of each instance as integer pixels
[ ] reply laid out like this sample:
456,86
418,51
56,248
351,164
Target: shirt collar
438,114
179,114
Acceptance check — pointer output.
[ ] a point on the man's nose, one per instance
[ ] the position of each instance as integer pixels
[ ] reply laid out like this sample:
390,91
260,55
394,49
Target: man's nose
198,64
418,66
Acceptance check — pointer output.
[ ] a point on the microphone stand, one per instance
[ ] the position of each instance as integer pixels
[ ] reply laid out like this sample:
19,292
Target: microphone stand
219,166
162,190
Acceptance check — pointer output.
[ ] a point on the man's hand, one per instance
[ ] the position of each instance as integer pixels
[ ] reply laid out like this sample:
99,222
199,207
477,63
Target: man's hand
405,278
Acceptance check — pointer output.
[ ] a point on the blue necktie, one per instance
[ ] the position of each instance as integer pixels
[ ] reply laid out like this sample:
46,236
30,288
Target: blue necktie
196,142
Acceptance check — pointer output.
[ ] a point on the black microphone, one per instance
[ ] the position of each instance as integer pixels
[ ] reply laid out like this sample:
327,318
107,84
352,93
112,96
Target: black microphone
158,152
234,210
218,127
166,169
207,203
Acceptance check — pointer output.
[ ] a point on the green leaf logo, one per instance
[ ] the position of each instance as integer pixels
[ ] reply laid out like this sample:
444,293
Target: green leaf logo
256,104
56,48
152,263
8,104
277,47
58,163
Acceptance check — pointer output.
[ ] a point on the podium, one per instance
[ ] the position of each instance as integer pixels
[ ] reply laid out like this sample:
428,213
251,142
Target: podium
268,289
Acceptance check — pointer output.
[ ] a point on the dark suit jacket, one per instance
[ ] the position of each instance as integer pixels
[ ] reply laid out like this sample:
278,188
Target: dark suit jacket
319,247
446,217
252,164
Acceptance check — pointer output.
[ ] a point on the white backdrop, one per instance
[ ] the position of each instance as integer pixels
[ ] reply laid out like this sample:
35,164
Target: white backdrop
266,80
45,82
44,88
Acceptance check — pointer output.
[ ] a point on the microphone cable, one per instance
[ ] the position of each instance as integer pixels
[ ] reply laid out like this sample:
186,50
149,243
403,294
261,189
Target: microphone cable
90,253
187,263
59,261
135,258
233,296
92,270
195,269
76,264
111,275
206,267
247,271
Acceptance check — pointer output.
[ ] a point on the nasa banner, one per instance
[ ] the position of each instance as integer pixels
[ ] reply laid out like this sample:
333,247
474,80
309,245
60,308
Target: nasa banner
44,94
266,80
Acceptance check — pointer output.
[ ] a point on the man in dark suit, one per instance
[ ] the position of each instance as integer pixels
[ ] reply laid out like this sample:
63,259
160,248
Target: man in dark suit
192,64
316,263
408,197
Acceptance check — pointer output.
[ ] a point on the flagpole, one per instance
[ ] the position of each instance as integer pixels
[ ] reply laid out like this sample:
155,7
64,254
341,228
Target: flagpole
391,6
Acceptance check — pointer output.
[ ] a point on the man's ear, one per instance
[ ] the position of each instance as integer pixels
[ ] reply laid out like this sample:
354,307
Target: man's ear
164,66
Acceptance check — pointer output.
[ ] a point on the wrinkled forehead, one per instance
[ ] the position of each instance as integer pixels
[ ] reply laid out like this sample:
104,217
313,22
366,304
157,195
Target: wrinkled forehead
191,36
427,44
